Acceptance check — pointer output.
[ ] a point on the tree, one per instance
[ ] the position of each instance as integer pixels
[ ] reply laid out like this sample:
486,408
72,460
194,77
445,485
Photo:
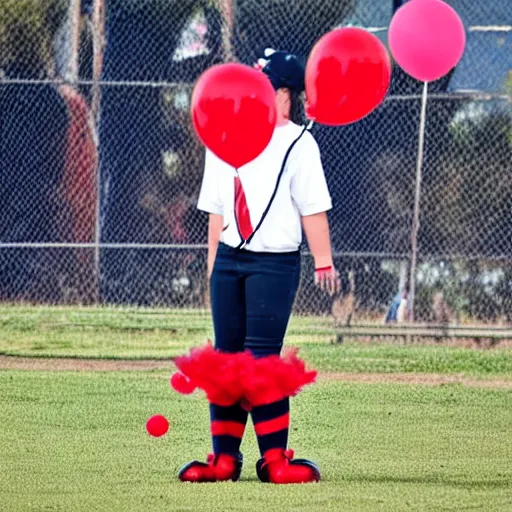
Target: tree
466,205
137,129
33,129
293,26
27,29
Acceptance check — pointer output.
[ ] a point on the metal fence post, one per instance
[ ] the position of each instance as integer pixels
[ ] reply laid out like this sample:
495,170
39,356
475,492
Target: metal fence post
74,15
417,200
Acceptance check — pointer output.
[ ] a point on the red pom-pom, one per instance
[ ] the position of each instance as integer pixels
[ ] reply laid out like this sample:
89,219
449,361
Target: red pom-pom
182,384
273,378
157,425
218,374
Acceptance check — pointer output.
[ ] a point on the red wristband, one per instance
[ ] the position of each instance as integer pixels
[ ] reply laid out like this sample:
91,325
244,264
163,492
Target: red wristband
323,269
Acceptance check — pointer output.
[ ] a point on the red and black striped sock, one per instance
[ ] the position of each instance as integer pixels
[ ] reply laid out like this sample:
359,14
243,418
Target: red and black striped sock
271,424
227,428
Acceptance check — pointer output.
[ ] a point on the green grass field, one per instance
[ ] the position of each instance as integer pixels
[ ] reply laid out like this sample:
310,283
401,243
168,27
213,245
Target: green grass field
76,440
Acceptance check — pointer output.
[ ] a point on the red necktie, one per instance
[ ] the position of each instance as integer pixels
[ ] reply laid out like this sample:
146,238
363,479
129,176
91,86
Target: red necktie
242,215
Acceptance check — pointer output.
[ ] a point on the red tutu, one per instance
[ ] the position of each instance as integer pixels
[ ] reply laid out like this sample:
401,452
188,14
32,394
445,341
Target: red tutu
228,378
272,378
217,373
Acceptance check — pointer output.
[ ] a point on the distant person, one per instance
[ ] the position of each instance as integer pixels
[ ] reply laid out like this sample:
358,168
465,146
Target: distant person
442,314
79,192
397,312
79,187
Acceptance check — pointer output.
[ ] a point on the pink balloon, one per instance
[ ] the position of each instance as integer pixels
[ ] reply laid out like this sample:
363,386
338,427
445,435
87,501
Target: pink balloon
426,38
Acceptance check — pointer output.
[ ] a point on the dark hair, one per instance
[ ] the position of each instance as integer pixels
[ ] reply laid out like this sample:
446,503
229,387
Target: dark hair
296,108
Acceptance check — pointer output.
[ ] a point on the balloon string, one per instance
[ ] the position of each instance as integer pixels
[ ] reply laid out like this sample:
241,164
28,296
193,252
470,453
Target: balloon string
416,218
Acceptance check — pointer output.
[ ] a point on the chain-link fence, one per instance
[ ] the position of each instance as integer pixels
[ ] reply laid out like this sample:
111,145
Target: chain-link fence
100,168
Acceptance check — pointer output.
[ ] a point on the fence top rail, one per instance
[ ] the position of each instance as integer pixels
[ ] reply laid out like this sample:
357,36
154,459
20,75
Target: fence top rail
473,28
475,95
337,254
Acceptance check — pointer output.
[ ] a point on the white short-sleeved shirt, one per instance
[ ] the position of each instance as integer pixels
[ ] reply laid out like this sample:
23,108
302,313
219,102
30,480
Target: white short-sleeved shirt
302,191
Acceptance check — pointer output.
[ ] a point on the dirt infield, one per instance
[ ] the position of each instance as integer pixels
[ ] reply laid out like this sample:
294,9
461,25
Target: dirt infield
79,365
108,365
430,379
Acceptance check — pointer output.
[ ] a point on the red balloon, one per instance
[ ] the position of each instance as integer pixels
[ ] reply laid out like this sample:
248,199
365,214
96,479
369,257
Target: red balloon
157,425
347,76
234,112
182,384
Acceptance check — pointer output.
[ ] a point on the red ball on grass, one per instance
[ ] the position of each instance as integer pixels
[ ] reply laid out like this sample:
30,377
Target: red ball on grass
182,384
157,425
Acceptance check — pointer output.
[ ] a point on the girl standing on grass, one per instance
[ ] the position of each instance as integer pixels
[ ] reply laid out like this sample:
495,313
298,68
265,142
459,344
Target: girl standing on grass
256,219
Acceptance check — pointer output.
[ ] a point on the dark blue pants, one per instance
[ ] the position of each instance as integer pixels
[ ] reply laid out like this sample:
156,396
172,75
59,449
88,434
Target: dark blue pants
252,297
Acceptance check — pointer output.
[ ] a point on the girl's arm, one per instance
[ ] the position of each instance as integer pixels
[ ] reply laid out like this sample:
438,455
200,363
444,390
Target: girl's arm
316,228
311,195
215,222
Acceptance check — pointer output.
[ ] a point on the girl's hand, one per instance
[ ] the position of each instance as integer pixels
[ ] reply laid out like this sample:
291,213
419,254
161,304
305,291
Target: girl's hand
328,279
